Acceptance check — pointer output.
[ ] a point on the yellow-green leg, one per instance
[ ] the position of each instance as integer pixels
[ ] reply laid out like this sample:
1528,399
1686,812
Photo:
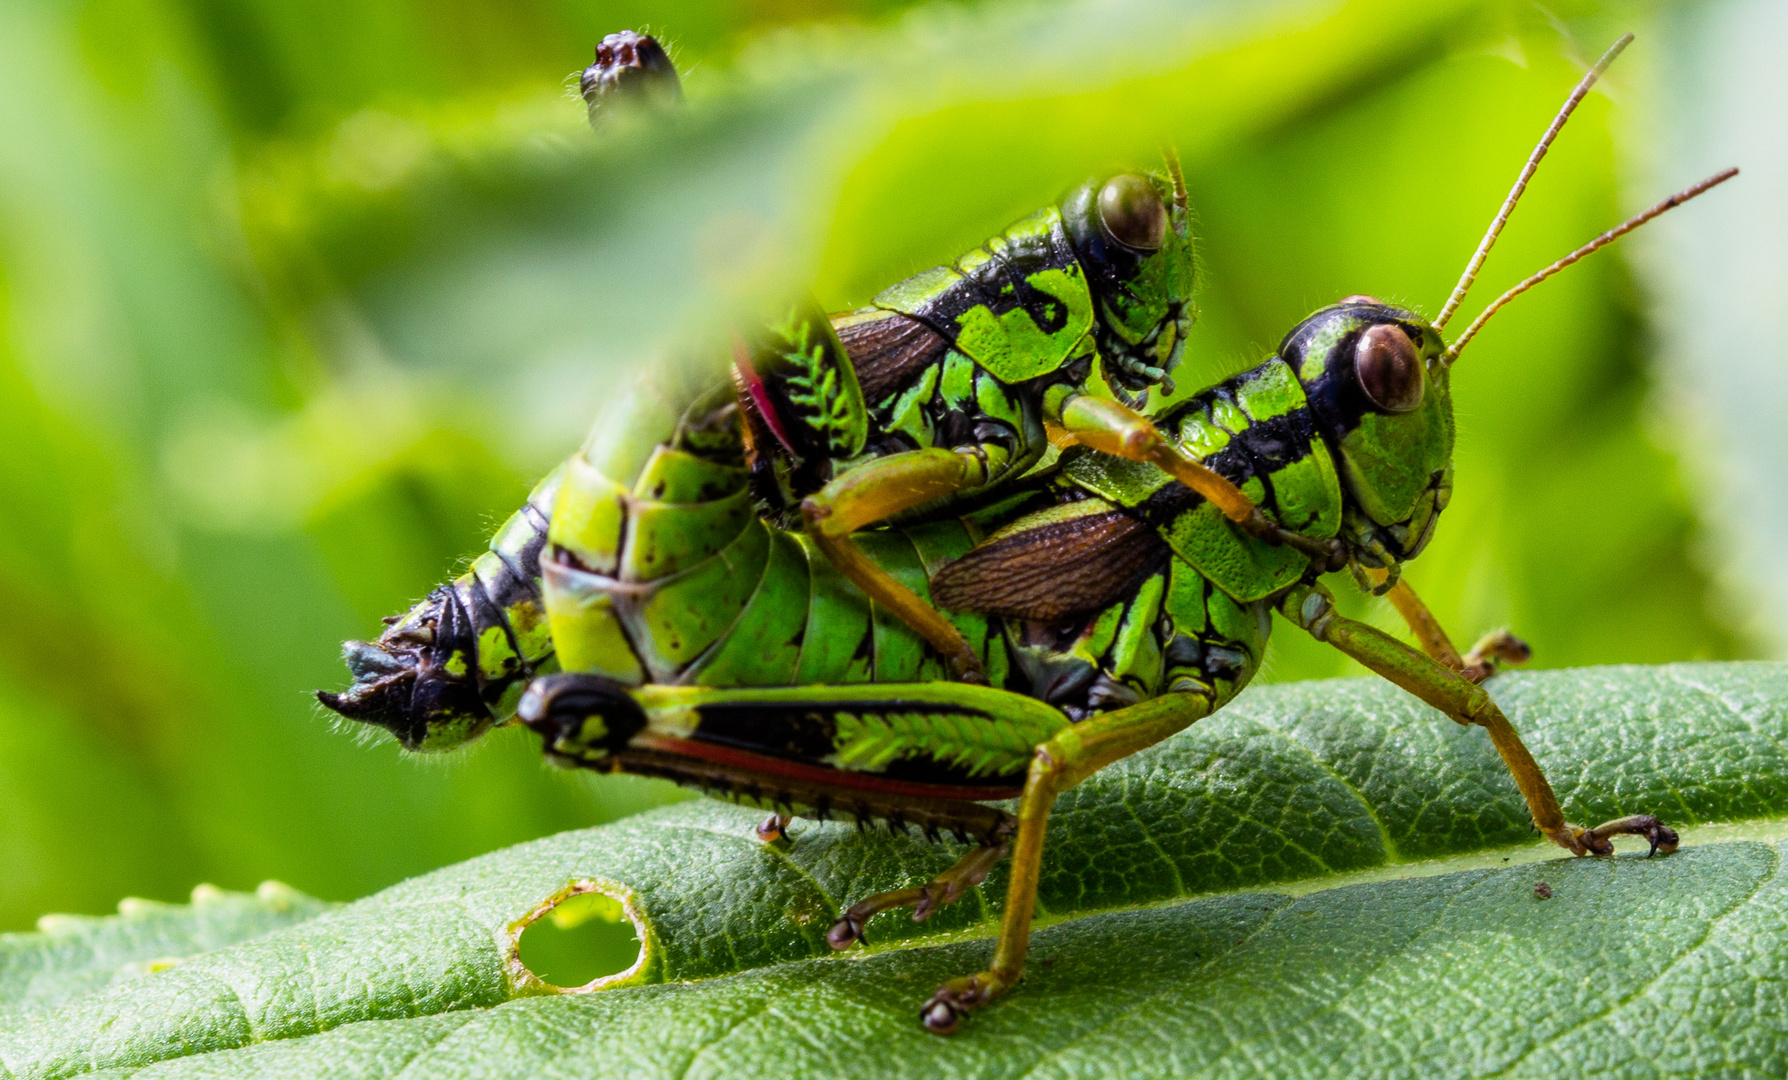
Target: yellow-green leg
947,888
1313,608
1057,765
1498,646
876,491
1116,429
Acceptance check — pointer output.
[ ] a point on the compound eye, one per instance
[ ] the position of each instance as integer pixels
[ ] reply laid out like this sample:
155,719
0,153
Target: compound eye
1133,213
1389,371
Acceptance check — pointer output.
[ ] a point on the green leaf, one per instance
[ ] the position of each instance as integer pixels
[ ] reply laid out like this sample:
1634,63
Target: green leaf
73,955
1405,936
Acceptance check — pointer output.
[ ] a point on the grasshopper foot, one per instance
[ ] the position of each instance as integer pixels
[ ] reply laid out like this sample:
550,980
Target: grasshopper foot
966,667
1580,841
1496,647
957,997
773,829
848,930
1661,836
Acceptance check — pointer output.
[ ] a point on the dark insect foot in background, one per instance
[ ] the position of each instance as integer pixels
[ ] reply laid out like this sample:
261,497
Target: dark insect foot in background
629,65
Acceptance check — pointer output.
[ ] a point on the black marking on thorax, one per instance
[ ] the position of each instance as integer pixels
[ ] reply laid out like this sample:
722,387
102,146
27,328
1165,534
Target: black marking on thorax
1261,449
1001,283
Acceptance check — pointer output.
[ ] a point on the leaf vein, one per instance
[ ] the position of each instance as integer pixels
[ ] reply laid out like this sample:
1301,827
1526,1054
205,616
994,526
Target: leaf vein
1151,998
771,849
1713,925
1384,834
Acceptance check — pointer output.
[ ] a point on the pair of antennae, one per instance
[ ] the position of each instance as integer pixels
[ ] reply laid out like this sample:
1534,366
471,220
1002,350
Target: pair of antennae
1514,196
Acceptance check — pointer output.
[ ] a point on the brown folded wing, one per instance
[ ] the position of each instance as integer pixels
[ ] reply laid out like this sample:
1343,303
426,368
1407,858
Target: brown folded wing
1055,569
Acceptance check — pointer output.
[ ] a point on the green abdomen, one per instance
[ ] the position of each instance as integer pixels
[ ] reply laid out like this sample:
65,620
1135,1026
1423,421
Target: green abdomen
668,576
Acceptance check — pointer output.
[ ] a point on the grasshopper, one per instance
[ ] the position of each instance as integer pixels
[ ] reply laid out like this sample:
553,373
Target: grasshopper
956,374
704,644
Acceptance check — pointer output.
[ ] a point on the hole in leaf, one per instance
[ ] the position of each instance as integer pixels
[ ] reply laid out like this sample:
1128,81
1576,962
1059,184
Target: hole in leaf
577,938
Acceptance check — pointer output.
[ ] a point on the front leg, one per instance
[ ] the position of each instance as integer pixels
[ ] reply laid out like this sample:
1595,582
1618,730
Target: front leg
1057,765
1312,608
876,491
1498,646
1116,429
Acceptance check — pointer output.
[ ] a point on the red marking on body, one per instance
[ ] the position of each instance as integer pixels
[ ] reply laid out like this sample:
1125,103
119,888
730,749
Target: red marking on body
753,385
764,765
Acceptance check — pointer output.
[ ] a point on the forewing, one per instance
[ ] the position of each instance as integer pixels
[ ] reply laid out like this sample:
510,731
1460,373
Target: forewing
887,349
1047,566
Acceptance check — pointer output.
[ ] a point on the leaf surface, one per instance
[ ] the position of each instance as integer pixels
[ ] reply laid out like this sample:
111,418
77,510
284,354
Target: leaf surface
1403,936
72,955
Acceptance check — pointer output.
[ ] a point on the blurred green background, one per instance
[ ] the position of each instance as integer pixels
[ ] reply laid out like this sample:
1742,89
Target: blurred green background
297,299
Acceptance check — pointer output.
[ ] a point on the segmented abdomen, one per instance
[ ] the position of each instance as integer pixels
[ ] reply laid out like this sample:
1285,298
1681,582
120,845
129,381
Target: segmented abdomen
660,571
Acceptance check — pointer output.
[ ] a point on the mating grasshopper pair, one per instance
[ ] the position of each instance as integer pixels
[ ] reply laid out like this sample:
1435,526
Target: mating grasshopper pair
716,579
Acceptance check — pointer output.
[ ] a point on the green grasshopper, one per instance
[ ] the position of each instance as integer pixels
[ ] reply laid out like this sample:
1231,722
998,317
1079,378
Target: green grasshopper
955,374
667,593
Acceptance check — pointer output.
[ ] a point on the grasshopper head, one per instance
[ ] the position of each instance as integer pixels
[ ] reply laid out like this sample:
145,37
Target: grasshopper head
1379,395
1133,235
418,681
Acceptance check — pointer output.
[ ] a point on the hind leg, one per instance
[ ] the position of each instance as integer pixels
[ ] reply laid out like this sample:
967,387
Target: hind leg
947,888
1057,765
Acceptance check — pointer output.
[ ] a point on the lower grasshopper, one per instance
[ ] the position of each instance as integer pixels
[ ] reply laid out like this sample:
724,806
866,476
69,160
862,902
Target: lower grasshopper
672,605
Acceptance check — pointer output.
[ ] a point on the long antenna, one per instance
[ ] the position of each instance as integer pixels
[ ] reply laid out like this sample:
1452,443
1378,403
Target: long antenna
1181,198
1527,171
1599,242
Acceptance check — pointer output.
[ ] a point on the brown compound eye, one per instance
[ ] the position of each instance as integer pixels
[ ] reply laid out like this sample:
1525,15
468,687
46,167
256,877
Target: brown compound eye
1133,213
1389,371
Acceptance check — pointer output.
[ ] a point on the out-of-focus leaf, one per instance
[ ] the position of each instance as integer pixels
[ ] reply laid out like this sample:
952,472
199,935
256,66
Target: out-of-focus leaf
499,256
1295,785
1718,277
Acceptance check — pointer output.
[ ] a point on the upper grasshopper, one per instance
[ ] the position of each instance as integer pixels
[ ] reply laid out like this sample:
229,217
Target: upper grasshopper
943,390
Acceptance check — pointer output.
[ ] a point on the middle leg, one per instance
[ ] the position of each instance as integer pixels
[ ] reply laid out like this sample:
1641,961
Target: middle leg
874,492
